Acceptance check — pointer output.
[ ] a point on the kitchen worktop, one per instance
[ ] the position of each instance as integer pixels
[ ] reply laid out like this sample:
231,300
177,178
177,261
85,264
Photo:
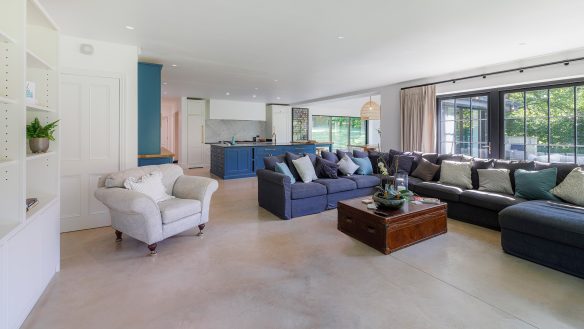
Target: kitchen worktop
248,144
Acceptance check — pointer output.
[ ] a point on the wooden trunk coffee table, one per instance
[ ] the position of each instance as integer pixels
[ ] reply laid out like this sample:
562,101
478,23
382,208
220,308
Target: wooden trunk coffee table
393,230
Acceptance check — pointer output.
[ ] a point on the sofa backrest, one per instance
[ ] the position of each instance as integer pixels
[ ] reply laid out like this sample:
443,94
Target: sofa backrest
170,173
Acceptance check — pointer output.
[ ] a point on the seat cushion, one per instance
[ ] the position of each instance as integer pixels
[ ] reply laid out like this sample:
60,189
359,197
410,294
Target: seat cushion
440,191
489,200
364,181
301,190
550,220
334,185
175,209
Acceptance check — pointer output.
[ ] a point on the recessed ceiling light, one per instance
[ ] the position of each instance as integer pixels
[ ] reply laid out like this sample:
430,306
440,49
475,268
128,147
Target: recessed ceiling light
340,37
523,43
278,98
227,93
130,27
173,65
254,96
165,83
256,88
276,80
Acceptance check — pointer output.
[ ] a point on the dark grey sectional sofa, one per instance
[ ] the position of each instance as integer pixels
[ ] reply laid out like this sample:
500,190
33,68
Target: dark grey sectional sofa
546,232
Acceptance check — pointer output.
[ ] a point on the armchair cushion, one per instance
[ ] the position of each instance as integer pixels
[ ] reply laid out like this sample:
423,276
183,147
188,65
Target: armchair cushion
150,184
175,209
170,173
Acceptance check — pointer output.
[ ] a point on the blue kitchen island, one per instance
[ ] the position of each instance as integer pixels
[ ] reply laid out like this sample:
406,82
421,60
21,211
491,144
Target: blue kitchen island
242,160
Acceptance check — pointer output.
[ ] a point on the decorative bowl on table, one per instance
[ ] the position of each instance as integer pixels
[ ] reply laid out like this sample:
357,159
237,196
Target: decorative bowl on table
384,203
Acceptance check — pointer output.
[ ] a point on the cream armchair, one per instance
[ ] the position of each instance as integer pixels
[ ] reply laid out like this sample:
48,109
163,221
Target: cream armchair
138,216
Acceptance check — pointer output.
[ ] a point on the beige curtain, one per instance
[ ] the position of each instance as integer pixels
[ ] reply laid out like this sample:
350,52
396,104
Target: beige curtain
418,119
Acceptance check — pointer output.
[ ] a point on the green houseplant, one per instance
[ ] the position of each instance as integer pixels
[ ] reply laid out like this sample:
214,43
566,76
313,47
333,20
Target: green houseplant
39,136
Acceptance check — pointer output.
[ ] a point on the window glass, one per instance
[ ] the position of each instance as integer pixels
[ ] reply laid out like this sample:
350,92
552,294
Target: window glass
342,131
464,125
321,128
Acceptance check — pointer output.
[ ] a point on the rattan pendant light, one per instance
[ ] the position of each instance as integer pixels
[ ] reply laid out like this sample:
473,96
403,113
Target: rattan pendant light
370,110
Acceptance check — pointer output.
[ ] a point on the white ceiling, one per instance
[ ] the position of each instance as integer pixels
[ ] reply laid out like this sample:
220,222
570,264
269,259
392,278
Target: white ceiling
236,46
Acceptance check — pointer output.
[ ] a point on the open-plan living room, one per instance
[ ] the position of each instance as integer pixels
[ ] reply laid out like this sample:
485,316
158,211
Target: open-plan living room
291,164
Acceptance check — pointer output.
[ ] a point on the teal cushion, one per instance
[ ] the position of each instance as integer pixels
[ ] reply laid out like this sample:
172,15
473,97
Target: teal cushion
535,185
365,167
282,168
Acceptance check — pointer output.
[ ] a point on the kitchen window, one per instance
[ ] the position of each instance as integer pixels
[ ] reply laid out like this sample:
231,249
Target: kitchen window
341,130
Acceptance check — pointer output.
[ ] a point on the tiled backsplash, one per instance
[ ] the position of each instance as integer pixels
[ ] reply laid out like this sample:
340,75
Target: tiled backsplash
223,130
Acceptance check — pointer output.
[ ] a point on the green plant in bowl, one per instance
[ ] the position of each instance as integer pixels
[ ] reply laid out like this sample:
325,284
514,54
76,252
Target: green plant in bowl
390,198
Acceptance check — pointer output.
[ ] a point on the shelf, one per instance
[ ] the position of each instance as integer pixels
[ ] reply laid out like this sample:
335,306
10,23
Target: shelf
34,156
35,61
36,15
45,200
40,108
6,163
5,38
7,100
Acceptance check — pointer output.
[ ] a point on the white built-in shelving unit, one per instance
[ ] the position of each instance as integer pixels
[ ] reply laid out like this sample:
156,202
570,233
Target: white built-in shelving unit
29,241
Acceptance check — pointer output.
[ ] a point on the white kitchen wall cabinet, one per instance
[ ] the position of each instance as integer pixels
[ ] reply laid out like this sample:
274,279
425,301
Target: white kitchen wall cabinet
279,121
29,241
220,109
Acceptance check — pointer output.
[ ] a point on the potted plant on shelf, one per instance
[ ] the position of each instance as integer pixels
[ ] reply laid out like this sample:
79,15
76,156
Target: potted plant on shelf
39,136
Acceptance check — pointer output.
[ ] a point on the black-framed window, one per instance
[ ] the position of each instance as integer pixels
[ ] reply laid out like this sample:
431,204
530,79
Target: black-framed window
545,124
463,125
341,130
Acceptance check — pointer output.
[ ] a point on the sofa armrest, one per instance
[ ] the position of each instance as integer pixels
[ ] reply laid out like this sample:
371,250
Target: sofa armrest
132,213
274,193
196,188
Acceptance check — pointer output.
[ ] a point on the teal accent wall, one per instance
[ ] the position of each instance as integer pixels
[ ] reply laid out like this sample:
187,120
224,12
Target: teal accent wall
149,103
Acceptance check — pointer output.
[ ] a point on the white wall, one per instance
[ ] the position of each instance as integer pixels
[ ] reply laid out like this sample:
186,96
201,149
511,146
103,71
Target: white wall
110,58
390,112
236,110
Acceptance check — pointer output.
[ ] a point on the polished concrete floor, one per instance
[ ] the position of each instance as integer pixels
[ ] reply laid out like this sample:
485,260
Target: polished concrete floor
252,270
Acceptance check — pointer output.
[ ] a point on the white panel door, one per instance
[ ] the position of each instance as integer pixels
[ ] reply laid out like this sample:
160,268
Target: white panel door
195,133
165,132
90,135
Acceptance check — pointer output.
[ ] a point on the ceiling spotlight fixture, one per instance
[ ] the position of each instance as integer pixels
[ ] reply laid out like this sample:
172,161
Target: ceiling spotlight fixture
453,81
165,83
523,43
521,71
566,63
173,65
227,93
340,37
278,98
254,96
130,27
276,80
256,88
484,76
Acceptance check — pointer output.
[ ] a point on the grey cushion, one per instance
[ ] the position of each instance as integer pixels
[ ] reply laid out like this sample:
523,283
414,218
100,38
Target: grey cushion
563,169
560,222
489,200
449,157
364,181
175,209
326,169
425,170
270,162
476,165
440,191
334,185
306,190
404,164
514,165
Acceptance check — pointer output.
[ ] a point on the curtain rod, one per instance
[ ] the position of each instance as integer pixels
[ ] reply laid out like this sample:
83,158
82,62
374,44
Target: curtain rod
484,75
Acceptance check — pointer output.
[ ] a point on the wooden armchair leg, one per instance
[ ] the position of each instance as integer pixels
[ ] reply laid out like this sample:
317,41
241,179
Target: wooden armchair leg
152,248
118,236
201,227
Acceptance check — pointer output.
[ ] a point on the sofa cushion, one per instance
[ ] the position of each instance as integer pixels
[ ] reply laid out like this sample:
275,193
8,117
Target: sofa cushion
495,181
440,191
360,154
306,190
289,158
305,169
365,167
425,170
347,166
170,173
404,164
270,162
479,164
449,157
456,173
175,209
329,156
282,168
550,220
341,154
570,189
412,182
374,156
489,200
536,185
364,181
326,169
337,185
564,169
514,165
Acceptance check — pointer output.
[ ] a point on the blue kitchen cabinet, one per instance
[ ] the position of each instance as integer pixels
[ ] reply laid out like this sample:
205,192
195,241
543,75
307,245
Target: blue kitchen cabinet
238,162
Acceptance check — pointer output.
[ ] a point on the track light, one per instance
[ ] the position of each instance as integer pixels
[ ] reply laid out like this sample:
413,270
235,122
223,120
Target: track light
453,81
566,63
521,71
484,76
